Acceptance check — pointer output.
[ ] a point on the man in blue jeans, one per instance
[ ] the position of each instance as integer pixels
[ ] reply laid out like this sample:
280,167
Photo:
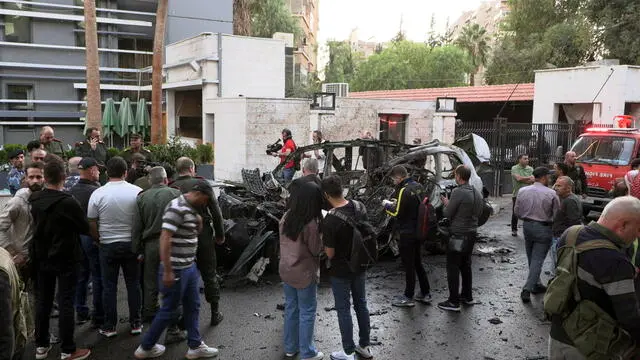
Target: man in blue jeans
178,275
90,267
337,236
536,205
111,213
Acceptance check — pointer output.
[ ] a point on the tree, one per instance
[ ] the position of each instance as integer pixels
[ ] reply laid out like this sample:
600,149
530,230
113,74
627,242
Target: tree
343,62
618,23
408,65
158,135
241,17
475,41
271,16
92,62
509,64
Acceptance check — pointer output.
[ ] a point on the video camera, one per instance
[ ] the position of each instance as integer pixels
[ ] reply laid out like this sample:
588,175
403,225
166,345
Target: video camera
274,148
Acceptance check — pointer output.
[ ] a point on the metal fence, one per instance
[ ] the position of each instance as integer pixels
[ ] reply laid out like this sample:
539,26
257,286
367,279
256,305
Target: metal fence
544,143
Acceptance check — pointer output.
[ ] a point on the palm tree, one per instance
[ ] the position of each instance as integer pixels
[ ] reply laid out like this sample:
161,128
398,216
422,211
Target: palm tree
158,135
475,41
94,109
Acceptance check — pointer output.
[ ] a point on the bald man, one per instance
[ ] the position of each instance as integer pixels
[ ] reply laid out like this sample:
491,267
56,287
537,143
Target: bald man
74,173
50,143
576,173
606,277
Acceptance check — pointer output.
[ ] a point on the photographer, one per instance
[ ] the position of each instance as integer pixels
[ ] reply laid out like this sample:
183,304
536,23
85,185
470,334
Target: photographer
463,210
288,147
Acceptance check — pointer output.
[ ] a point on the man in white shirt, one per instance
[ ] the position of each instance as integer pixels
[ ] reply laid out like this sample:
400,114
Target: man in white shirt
111,213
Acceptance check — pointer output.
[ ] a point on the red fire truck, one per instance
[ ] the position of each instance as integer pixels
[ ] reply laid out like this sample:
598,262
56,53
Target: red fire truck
605,154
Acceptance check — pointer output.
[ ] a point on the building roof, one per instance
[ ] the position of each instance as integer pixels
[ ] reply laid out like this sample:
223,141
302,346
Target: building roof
488,93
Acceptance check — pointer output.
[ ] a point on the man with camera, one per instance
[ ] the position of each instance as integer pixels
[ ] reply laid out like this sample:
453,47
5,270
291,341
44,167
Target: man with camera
463,210
286,149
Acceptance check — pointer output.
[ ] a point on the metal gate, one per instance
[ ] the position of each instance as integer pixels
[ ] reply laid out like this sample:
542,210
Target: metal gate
544,143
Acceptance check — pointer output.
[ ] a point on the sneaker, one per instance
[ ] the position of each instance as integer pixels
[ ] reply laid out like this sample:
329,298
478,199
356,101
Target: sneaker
136,329
202,351
403,301
514,233
107,333
364,352
449,306
525,296
155,351
425,299
319,356
290,355
468,301
79,354
340,355
42,352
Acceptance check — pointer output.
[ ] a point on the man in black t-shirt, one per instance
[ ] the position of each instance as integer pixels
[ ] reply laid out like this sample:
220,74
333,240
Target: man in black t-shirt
337,237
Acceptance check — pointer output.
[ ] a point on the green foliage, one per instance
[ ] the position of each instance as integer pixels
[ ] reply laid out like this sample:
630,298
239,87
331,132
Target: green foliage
172,150
408,65
112,152
271,16
70,153
343,62
204,154
305,88
541,34
475,41
619,27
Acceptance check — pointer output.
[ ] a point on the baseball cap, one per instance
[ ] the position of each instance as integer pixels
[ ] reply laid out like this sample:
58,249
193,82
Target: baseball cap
15,153
87,163
203,187
540,172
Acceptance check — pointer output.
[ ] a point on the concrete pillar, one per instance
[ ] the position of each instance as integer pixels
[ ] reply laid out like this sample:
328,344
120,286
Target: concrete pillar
444,127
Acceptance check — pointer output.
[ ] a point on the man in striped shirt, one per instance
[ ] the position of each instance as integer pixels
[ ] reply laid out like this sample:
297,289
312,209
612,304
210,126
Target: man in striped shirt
181,225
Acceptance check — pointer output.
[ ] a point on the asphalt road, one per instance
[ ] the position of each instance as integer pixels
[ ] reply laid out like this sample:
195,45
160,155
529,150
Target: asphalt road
252,328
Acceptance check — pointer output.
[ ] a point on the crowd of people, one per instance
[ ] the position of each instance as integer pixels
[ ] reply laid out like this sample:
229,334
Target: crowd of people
77,222
600,256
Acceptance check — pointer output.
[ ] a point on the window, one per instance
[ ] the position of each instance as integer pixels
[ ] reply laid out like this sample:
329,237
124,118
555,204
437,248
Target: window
392,127
20,92
17,28
610,150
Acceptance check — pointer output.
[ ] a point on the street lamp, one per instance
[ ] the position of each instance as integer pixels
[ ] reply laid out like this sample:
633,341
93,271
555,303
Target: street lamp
445,104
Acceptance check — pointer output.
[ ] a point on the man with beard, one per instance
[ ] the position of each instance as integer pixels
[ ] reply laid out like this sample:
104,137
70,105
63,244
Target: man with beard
16,174
16,223
55,253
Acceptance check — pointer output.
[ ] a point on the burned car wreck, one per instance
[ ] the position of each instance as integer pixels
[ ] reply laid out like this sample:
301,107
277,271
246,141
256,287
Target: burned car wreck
254,208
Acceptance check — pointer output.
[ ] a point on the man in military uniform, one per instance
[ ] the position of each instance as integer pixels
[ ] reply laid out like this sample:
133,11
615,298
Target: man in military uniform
93,147
213,226
50,143
135,146
16,174
145,235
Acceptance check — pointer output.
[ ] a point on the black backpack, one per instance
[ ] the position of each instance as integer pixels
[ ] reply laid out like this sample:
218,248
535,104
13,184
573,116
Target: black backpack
364,243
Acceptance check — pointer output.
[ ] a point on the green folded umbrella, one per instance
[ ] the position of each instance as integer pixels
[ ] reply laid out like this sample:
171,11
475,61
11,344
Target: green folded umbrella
126,118
109,118
142,118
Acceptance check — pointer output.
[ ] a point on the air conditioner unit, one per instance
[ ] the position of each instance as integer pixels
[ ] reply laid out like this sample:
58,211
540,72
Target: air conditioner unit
340,89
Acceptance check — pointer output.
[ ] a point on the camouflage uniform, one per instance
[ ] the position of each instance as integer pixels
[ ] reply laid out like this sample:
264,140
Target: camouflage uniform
15,180
206,260
128,152
55,147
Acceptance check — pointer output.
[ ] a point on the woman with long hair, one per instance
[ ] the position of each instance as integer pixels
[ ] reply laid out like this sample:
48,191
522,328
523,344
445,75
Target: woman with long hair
300,247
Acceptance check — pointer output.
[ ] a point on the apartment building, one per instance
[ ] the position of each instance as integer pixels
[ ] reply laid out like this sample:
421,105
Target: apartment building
306,47
42,57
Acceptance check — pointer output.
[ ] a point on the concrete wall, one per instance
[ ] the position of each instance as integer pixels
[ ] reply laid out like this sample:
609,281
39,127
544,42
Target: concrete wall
580,86
243,127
